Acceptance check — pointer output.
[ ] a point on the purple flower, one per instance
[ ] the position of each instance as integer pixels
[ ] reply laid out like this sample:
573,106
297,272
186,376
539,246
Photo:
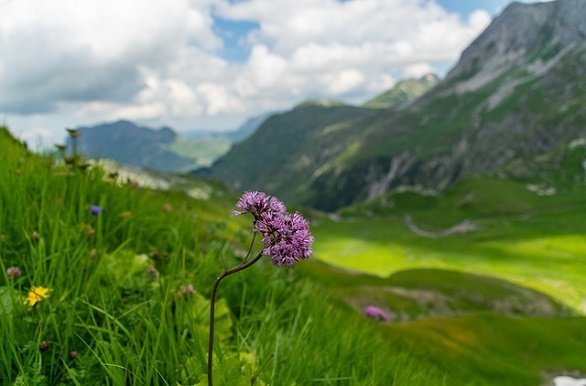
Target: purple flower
286,237
13,272
95,210
258,203
376,313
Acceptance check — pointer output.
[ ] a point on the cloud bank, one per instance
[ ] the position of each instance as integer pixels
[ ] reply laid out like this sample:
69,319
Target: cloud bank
69,62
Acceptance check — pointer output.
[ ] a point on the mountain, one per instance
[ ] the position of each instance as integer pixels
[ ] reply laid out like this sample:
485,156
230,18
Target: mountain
162,149
517,92
277,148
404,91
133,145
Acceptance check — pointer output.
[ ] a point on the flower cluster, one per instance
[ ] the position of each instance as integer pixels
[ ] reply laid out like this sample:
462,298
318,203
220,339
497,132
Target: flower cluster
376,313
286,236
258,203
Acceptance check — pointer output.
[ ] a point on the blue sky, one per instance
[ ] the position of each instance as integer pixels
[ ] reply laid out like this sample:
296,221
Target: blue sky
210,64
464,7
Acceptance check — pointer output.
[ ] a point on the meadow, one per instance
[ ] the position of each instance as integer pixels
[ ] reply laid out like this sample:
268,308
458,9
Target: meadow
127,289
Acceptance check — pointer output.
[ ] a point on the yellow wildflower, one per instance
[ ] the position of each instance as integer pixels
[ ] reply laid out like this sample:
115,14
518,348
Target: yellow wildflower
36,294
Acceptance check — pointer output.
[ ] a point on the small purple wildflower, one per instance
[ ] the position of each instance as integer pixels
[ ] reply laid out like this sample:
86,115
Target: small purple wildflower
286,237
257,203
376,313
95,210
13,272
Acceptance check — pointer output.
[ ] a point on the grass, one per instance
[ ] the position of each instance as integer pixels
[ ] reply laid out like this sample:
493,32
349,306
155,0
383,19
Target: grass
117,314
119,311
536,241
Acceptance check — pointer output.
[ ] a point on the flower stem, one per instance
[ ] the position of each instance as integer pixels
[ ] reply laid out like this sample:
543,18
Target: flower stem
249,248
226,273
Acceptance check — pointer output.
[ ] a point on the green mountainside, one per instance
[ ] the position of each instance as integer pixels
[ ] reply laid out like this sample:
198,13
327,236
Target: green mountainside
517,92
404,91
274,156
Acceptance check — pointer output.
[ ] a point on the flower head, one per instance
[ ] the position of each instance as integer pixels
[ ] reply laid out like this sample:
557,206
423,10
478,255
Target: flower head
13,272
44,345
187,290
376,313
36,294
95,210
257,203
286,237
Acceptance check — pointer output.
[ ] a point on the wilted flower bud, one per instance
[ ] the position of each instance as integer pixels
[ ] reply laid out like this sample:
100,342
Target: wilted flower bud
187,290
13,272
44,346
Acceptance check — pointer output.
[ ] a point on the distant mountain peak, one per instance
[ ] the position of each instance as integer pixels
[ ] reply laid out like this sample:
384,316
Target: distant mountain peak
126,142
521,34
404,91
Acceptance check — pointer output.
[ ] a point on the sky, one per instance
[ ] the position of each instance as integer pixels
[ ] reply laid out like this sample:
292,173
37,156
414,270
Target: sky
210,64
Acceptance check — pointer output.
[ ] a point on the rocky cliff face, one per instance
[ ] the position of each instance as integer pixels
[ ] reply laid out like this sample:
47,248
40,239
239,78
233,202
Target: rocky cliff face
519,36
518,91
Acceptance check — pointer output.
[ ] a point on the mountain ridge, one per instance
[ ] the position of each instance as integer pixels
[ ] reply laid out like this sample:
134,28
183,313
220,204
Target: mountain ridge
404,91
485,114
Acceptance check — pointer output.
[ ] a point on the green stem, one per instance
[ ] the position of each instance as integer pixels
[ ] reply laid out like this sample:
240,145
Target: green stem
226,273
249,248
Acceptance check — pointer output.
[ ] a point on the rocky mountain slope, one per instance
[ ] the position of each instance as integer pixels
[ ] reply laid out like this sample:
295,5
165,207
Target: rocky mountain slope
518,91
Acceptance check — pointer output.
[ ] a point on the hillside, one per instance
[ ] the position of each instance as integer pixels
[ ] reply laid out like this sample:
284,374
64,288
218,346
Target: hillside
128,294
266,158
517,92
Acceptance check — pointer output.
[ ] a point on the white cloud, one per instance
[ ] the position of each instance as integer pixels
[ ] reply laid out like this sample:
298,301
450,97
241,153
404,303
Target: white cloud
70,62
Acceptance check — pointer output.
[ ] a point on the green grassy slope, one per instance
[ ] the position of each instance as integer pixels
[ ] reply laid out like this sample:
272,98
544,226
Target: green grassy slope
404,91
116,296
117,300
279,147
538,241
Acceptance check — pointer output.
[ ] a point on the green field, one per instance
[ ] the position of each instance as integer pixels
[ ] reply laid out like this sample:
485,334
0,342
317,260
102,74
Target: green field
536,241
118,312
